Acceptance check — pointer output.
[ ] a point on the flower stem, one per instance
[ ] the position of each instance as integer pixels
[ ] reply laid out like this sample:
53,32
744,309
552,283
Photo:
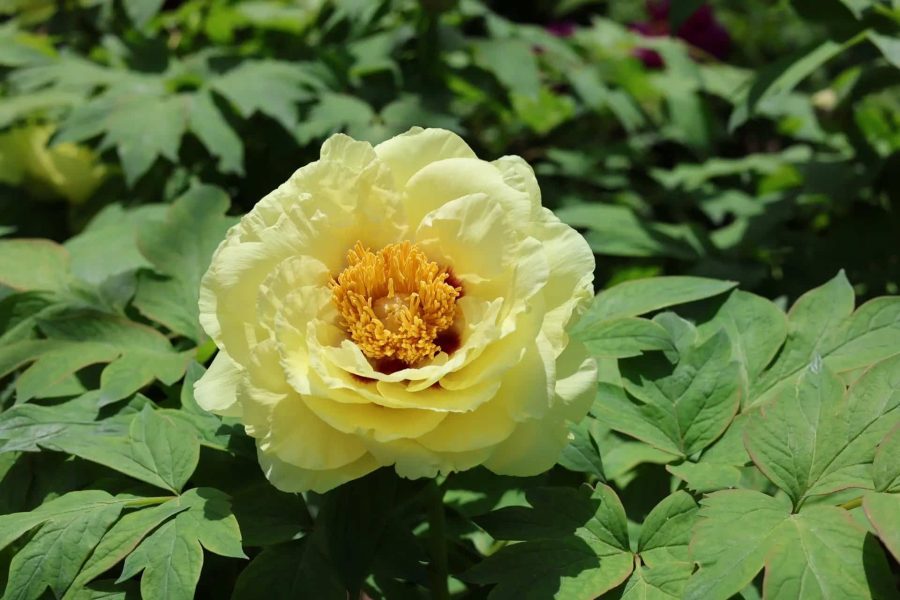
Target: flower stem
437,538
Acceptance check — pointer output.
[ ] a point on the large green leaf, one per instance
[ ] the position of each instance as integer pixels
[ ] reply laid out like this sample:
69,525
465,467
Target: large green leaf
822,323
180,249
821,550
172,556
33,265
68,529
624,337
812,440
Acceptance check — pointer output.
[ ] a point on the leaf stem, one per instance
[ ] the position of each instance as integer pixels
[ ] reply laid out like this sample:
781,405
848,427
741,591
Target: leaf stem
437,538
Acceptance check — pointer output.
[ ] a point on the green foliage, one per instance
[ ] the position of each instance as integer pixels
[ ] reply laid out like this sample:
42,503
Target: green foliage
736,447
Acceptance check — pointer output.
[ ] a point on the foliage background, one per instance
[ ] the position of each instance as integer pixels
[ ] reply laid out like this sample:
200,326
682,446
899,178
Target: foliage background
135,132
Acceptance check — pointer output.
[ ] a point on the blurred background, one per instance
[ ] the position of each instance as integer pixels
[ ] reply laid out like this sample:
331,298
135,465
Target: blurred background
755,141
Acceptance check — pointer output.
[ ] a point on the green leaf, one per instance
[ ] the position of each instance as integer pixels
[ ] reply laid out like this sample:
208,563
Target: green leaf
619,231
582,455
172,556
889,47
512,62
122,538
886,466
53,556
33,265
165,447
812,440
141,11
180,250
157,450
140,122
821,548
108,245
70,527
270,87
624,337
27,426
171,561
883,511
666,531
641,296
302,569
661,582
577,546
822,323
756,326
825,554
688,406
706,476
207,123
268,516
782,76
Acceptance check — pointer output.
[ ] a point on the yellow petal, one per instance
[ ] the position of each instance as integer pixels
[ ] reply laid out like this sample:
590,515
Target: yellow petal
292,479
440,182
408,153
216,390
373,421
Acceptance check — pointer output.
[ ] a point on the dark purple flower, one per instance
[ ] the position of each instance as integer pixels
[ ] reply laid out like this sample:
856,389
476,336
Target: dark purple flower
561,29
701,30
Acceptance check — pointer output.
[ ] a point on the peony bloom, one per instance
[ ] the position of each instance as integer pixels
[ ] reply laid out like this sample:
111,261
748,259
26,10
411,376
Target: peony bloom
64,170
400,305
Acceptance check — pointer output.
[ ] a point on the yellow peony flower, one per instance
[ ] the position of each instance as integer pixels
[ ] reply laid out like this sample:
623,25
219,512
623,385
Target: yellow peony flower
400,305
64,170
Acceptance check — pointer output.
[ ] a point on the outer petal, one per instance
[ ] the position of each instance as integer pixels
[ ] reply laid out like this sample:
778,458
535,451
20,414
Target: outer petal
289,478
408,153
216,391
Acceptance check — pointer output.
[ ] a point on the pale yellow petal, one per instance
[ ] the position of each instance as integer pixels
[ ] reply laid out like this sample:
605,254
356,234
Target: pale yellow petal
440,182
216,390
533,448
374,421
408,153
292,479
299,437
412,460
487,425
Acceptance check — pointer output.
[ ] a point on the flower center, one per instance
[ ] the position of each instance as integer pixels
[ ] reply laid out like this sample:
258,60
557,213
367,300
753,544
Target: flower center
395,302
